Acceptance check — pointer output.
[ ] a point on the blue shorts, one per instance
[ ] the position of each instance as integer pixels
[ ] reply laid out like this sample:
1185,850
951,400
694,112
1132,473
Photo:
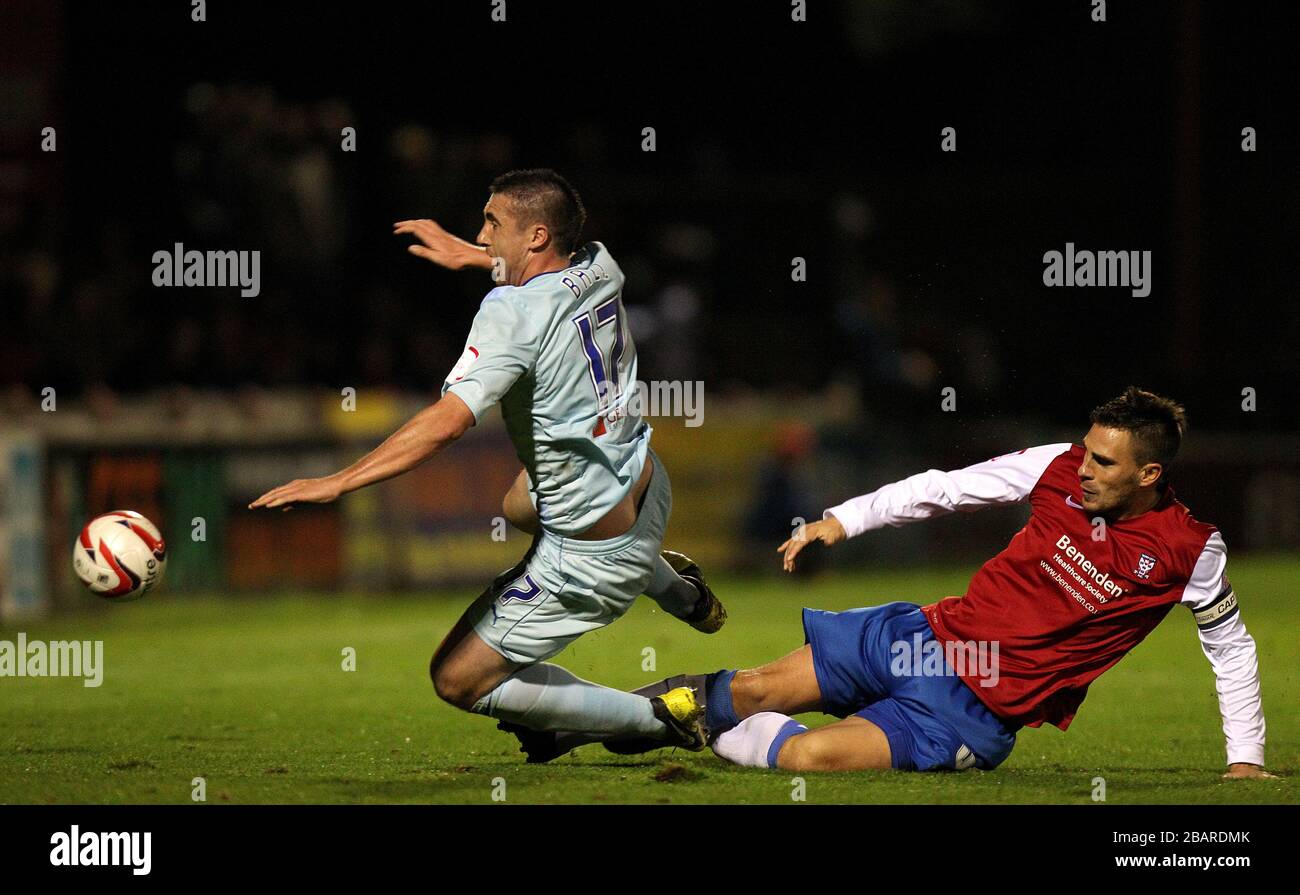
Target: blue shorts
933,720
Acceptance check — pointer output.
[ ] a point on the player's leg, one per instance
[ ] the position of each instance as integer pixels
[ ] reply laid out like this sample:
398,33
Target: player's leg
471,675
674,594
517,505
463,667
901,719
775,740
677,583
833,672
589,584
493,661
788,685
854,744
829,674
679,587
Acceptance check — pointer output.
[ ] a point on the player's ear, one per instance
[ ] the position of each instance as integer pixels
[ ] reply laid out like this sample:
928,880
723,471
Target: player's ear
1149,474
539,238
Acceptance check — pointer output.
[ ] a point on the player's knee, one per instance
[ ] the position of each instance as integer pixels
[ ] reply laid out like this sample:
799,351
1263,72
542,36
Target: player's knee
750,692
452,688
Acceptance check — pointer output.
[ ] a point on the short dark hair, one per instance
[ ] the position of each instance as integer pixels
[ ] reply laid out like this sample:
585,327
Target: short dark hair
544,195
1156,423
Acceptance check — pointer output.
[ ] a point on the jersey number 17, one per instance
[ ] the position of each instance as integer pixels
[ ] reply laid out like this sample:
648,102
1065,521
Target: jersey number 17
604,368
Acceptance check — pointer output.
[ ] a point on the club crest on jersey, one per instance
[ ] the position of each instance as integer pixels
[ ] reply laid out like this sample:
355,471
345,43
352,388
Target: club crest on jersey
462,366
1146,562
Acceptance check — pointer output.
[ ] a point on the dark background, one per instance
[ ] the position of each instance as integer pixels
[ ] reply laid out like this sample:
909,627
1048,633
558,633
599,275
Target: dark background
775,139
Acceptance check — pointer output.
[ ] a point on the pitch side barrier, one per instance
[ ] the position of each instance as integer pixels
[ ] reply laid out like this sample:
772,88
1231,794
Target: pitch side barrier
193,461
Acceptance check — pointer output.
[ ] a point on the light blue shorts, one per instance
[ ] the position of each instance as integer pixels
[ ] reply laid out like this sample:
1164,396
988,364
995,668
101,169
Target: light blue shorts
563,587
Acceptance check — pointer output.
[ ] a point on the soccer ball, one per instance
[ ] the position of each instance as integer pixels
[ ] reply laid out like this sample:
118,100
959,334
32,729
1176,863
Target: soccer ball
120,556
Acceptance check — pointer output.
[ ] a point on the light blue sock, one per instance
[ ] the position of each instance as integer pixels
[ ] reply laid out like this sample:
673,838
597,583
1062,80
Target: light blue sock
674,594
548,697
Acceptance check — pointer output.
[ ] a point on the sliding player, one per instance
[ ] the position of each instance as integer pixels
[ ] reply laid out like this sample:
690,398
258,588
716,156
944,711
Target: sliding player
1107,552
551,346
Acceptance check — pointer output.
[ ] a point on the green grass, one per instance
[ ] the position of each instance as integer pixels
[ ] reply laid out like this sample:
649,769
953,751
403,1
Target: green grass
249,694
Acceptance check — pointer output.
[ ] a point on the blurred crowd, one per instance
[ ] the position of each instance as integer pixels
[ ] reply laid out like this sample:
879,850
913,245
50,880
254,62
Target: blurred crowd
709,293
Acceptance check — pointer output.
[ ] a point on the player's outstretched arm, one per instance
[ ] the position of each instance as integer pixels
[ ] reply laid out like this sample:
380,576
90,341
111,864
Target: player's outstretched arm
441,247
1003,480
426,433
1231,652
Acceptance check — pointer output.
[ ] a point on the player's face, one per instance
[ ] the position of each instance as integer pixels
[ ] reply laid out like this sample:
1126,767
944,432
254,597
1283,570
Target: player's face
1110,474
504,235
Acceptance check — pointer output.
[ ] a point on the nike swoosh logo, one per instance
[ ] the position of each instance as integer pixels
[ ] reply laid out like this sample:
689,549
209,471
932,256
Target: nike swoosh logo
1070,502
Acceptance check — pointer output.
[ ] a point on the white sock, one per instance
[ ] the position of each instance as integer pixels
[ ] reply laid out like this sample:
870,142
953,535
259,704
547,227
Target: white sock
548,697
750,743
674,594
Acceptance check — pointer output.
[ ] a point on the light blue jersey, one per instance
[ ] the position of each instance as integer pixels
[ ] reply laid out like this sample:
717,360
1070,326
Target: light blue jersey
556,354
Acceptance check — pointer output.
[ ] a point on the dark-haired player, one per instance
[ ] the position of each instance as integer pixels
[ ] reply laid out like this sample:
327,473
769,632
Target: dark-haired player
1107,552
550,344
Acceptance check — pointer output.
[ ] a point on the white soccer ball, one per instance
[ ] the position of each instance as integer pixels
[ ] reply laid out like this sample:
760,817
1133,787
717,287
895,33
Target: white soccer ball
120,556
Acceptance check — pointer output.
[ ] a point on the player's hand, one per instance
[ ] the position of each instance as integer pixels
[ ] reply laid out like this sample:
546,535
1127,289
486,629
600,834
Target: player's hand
828,531
1243,771
323,490
441,247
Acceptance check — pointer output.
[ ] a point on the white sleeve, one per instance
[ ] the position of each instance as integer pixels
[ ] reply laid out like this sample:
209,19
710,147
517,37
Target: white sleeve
1002,480
1231,651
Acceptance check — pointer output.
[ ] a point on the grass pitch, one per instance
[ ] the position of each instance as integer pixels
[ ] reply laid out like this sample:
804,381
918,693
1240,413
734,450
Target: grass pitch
250,694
